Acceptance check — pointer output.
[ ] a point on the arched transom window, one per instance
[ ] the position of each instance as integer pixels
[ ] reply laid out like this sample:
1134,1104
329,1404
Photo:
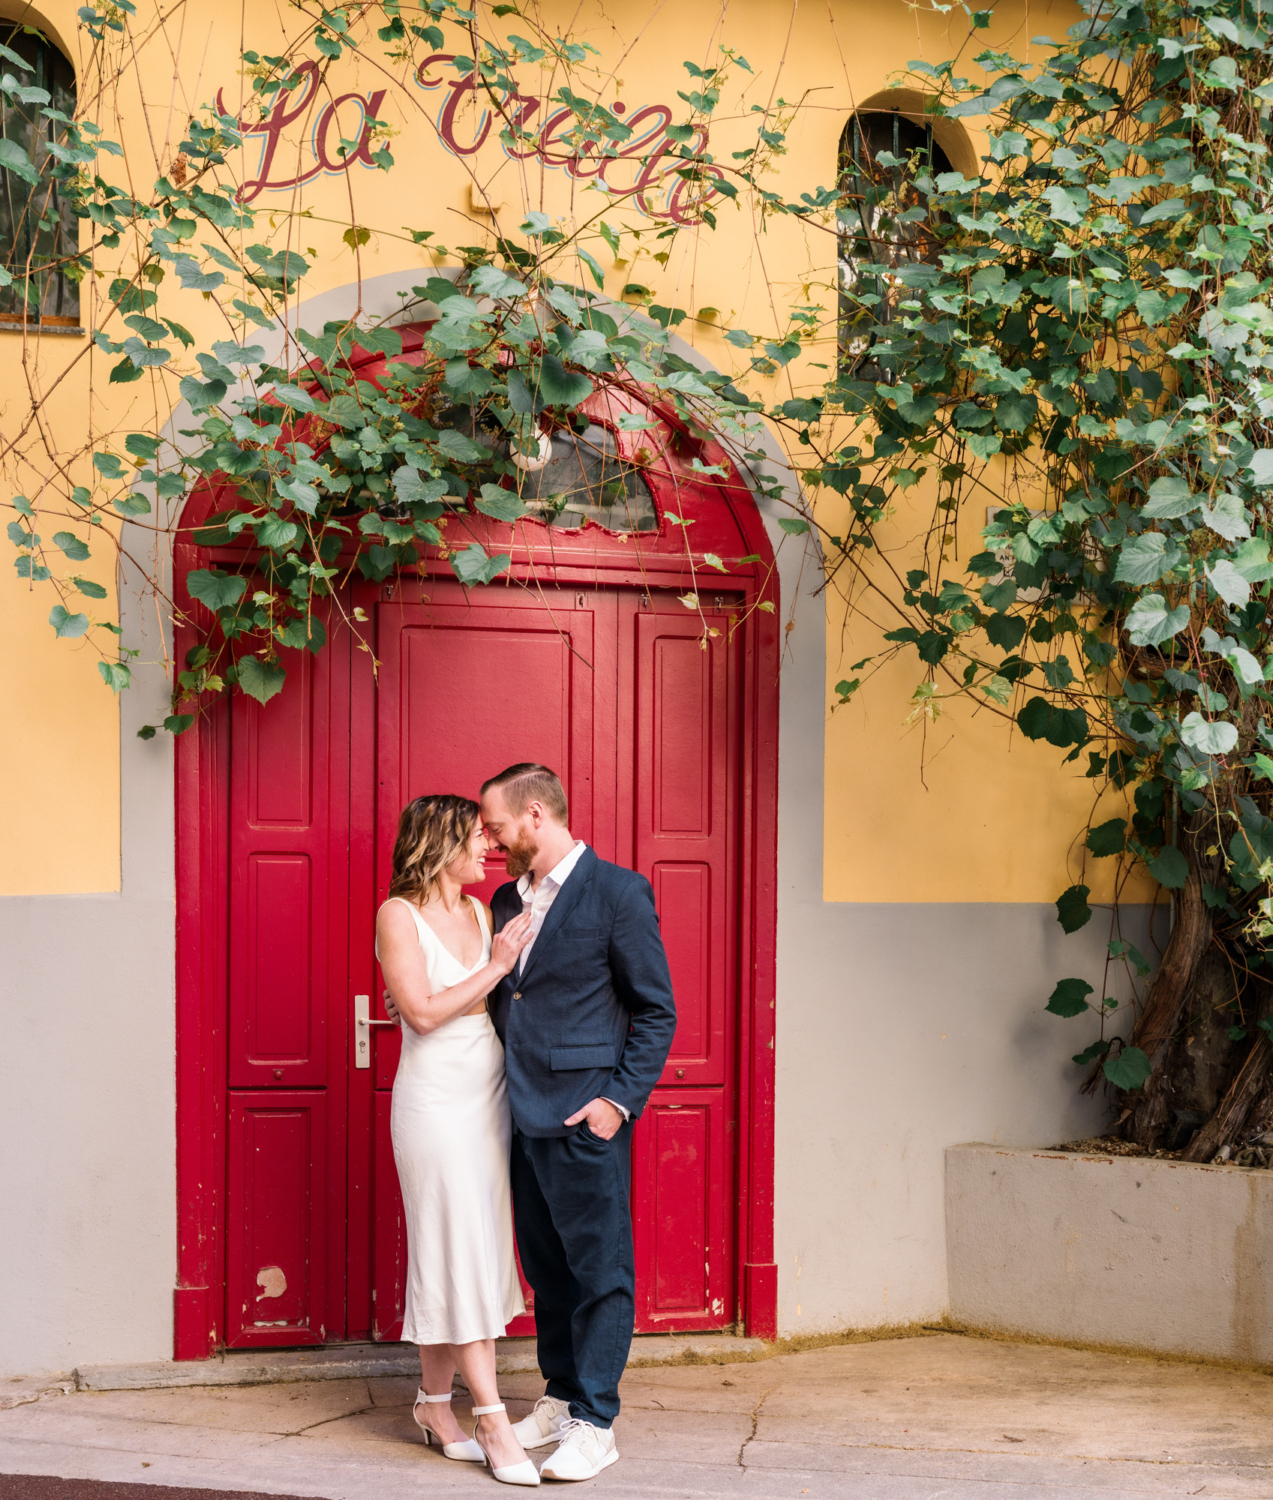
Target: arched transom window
884,221
38,230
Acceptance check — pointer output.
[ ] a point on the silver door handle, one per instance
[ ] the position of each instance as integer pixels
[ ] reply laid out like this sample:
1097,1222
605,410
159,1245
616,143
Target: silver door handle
362,1030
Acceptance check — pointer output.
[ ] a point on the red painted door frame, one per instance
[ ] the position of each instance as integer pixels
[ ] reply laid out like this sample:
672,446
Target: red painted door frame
727,524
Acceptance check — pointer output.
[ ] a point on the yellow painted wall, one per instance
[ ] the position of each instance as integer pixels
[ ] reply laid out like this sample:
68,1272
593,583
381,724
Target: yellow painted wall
975,833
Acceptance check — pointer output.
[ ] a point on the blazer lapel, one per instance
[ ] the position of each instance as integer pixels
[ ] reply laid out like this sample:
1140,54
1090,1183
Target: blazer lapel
567,899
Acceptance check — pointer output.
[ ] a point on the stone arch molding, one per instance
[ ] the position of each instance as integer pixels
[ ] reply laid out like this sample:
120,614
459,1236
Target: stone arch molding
147,768
381,298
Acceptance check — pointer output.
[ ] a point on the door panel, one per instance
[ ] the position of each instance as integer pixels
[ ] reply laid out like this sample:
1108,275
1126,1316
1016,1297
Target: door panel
466,690
683,840
276,1263
684,804
681,1184
288,894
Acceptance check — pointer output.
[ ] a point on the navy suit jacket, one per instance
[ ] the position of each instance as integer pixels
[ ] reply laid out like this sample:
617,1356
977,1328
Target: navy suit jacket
592,1013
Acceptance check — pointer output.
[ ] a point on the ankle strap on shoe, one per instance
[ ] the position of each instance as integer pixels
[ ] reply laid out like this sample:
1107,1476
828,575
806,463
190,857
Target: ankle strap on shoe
432,1399
485,1411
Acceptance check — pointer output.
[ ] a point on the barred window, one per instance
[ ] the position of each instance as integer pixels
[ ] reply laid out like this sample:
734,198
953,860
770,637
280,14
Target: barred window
38,229
884,223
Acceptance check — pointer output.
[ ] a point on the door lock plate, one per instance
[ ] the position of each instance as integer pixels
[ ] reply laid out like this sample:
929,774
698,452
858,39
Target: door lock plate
362,1030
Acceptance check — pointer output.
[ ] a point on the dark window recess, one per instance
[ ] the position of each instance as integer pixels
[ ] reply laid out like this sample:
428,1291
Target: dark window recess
579,476
37,228
586,480
884,223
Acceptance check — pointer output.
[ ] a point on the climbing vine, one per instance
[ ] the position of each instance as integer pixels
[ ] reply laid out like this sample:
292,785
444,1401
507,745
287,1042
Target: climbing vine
1076,340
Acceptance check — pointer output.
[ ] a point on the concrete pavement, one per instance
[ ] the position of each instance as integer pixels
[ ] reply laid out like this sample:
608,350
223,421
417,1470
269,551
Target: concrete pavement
943,1415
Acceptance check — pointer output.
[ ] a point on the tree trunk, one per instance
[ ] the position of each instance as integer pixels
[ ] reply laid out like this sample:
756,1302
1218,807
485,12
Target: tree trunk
1172,985
1227,1122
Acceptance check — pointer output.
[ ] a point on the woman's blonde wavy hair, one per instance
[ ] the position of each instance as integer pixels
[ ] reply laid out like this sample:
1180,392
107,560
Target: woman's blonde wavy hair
432,831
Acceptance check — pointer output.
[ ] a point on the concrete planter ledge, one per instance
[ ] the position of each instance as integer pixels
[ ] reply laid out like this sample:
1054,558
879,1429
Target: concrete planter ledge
371,1361
1159,1256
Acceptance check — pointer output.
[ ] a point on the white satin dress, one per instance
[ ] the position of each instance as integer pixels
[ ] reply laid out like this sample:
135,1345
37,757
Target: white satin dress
451,1134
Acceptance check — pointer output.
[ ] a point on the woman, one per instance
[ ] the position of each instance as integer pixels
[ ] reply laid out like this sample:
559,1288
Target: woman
450,1123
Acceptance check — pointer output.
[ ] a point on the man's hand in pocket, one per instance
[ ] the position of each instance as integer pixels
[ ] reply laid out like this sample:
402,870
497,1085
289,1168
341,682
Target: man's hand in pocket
602,1117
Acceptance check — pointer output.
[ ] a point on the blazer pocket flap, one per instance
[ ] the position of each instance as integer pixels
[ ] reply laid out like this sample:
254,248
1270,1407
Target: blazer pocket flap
586,1055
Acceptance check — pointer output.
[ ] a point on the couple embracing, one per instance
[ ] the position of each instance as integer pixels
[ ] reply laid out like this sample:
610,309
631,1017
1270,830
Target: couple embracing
532,1034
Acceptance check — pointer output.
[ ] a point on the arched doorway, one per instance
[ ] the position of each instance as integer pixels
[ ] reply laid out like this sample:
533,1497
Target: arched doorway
661,719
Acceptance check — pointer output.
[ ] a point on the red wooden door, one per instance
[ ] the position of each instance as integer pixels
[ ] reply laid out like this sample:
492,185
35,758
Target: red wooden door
623,694
287,972
639,718
465,687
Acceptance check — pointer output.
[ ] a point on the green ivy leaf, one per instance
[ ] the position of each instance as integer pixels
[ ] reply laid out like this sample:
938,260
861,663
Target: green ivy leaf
1145,559
1150,622
71,545
474,566
1041,720
1169,868
276,534
491,282
258,679
1170,498
598,275
1072,910
66,624
215,589
559,386
1069,998
14,159
1107,838
1206,736
499,503
1090,1054
1005,631
1129,1069
460,448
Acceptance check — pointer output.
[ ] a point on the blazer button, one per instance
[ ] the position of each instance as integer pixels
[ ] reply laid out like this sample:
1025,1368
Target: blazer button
517,994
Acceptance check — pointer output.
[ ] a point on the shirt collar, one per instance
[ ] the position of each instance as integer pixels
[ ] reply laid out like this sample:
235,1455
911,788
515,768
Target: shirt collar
557,875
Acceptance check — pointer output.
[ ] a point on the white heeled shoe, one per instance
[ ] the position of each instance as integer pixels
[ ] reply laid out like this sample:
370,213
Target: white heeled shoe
467,1452
522,1473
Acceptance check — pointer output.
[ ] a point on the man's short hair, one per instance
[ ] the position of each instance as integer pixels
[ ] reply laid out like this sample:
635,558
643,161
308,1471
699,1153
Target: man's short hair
527,782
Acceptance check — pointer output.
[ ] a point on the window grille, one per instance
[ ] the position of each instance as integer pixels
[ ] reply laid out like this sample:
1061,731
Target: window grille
883,223
37,227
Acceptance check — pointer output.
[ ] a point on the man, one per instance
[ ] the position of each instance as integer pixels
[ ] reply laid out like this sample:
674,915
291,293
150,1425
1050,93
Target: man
586,1019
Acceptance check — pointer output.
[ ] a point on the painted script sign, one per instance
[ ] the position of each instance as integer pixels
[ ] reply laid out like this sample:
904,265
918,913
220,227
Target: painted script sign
300,142
642,168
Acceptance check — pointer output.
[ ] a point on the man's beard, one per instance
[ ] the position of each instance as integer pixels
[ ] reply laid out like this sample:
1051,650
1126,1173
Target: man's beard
519,857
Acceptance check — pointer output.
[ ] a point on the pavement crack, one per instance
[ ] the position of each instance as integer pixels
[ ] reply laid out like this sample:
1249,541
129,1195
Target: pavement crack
358,1411
755,1423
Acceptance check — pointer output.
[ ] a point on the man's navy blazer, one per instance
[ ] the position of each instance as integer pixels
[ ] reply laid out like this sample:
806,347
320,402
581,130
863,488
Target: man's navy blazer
591,1015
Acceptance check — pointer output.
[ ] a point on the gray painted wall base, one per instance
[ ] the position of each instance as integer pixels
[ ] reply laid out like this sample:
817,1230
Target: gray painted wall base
900,1030
1143,1254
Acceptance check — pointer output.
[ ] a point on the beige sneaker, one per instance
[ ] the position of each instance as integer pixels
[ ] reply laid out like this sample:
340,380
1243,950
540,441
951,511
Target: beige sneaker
583,1452
544,1424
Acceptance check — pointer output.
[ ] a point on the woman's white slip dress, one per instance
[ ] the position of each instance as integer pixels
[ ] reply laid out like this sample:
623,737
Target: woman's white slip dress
451,1134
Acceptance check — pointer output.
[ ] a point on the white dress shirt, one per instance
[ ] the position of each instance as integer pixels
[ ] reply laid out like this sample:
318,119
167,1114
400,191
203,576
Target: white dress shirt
537,902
